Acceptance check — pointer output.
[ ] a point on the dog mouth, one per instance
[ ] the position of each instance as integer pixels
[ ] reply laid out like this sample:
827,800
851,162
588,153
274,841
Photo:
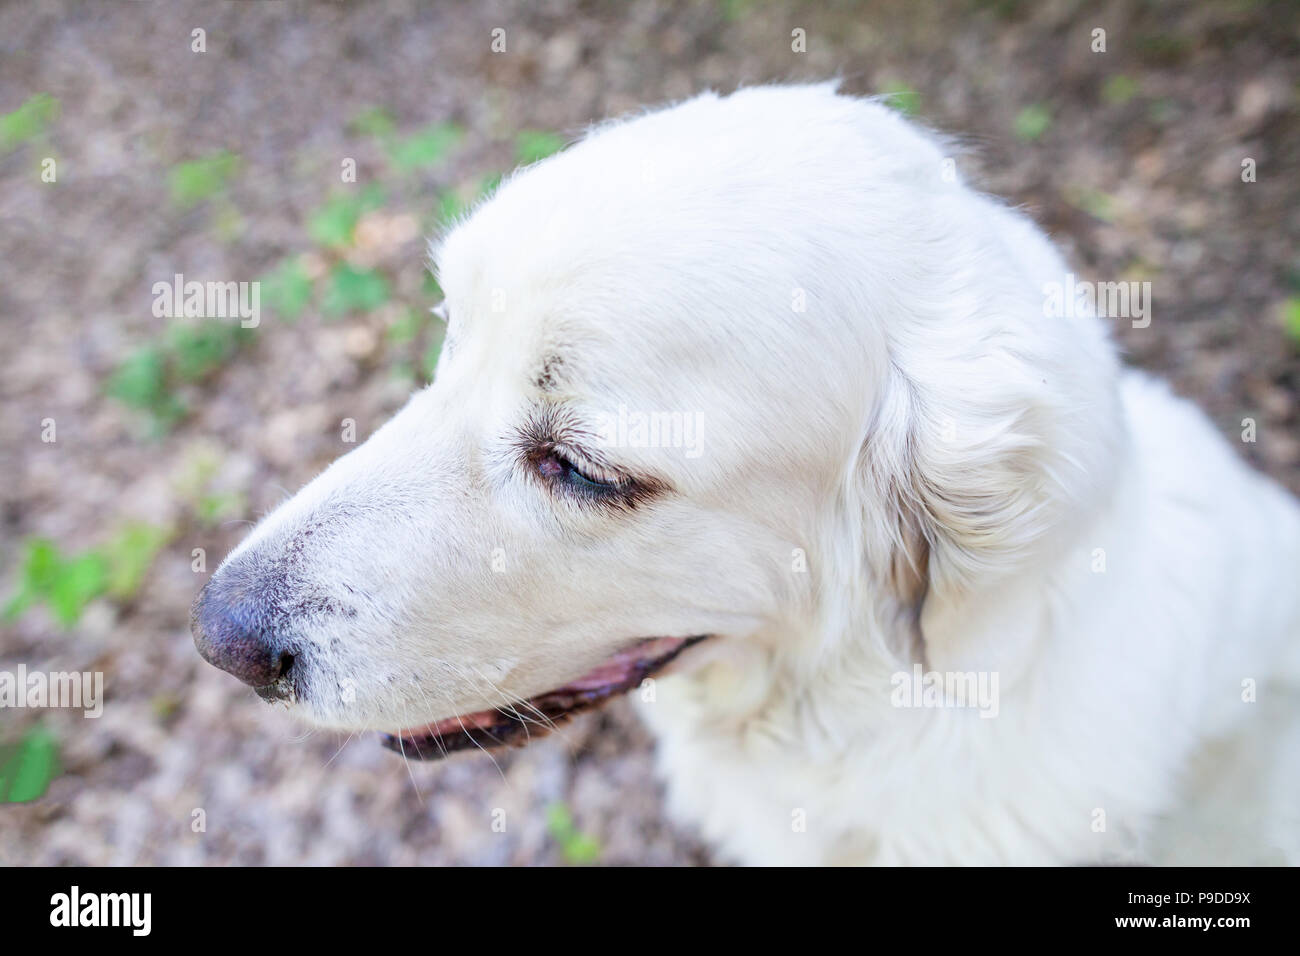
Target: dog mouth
527,720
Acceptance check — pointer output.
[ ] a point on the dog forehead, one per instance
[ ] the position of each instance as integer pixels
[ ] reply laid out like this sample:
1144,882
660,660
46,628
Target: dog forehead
684,245
750,187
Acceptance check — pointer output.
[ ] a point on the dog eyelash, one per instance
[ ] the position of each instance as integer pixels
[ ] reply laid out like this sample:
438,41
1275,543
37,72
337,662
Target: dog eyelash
555,465
565,470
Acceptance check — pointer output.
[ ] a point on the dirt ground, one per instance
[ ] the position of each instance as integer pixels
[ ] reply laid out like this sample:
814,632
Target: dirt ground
1131,158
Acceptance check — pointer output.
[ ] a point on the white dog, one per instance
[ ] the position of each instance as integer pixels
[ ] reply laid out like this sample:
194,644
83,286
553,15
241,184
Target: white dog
760,370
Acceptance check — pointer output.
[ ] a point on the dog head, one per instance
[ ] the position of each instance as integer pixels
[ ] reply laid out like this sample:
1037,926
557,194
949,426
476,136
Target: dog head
707,372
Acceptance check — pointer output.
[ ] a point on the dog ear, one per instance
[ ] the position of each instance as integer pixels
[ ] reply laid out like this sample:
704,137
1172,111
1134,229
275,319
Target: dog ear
977,464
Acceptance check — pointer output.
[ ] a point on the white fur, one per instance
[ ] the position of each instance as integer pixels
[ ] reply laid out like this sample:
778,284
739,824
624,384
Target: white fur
917,468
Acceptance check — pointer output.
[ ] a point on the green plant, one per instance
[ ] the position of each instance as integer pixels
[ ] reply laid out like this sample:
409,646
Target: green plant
287,289
28,121
334,223
532,145
577,848
733,10
404,328
189,353
141,382
65,583
354,290
901,97
129,554
1094,202
29,766
195,180
214,508
196,351
1291,318
425,148
1032,122
1119,89
193,486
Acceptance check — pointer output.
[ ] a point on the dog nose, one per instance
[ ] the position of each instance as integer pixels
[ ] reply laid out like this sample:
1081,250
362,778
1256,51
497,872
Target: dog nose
229,635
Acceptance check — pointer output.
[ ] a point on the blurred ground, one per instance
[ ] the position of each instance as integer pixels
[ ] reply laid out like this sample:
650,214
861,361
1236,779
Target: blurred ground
1131,158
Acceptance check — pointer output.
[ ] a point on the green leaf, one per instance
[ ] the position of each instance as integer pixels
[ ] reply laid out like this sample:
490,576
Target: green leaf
532,145
28,767
78,582
1291,318
28,121
354,290
1094,202
733,10
68,584
1119,89
141,379
581,849
213,508
1033,121
902,97
40,566
404,328
576,847
129,556
198,179
287,290
335,222
166,413
426,148
199,350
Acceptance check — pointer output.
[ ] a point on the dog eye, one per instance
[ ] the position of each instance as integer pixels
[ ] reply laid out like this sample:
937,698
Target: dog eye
556,467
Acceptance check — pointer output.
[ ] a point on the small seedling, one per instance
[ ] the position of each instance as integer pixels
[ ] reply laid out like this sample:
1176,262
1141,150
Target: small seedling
199,179
576,847
902,97
129,554
426,148
354,290
190,353
335,223
28,122
1291,318
65,583
29,766
1119,89
1032,122
287,290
